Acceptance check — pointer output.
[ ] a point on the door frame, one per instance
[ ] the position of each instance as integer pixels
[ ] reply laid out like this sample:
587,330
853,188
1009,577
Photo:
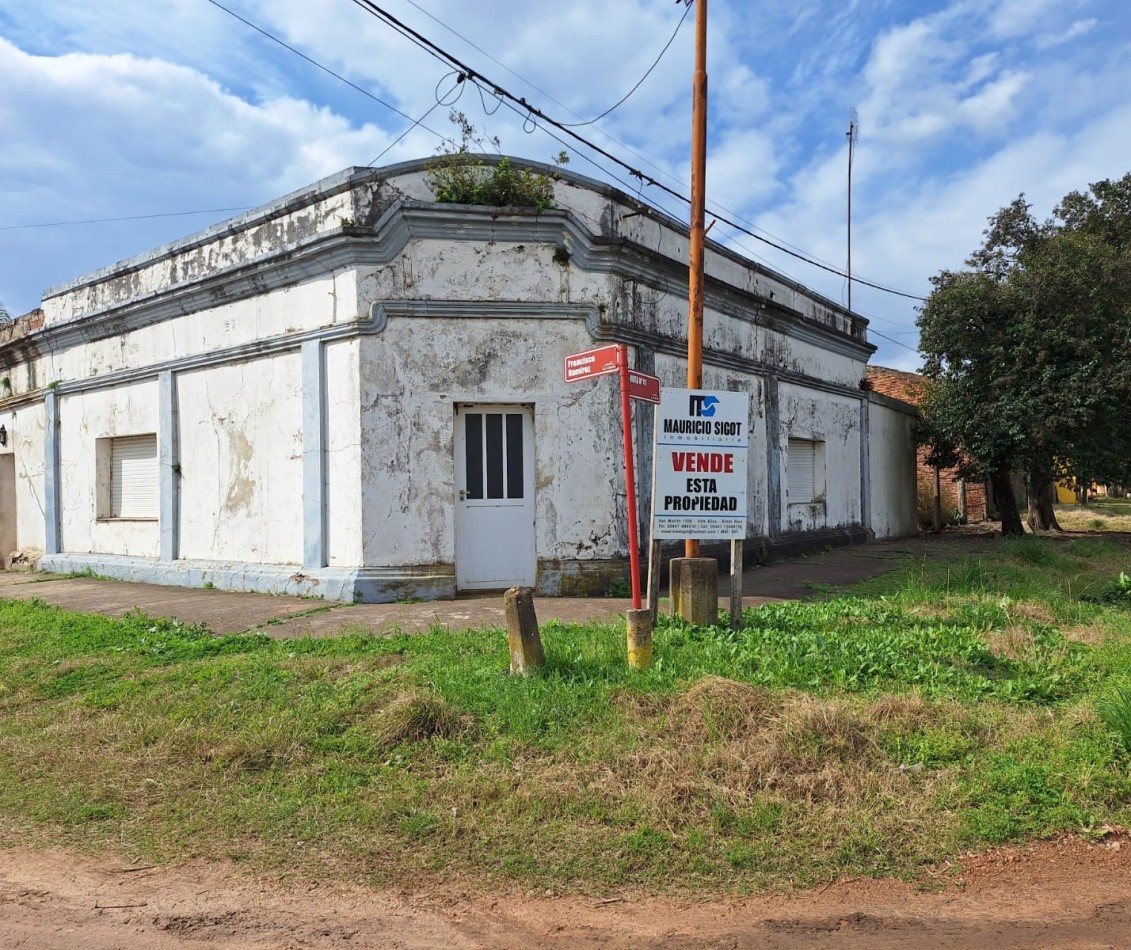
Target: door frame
522,548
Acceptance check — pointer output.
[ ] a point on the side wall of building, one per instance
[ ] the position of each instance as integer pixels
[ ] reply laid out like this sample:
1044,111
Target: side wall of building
891,456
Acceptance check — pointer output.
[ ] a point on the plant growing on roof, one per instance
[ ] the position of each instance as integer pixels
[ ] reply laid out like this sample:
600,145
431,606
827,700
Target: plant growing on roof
461,175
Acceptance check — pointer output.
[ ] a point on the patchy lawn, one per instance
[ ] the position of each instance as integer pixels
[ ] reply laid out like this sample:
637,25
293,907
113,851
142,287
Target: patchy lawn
940,708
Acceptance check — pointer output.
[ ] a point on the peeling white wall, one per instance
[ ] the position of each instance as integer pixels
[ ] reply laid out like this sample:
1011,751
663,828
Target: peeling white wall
343,454
226,246
389,411
891,453
83,419
835,421
241,461
25,442
414,374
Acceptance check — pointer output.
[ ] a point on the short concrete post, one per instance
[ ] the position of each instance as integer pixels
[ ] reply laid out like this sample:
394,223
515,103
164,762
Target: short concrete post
639,624
736,584
674,567
655,554
522,630
699,590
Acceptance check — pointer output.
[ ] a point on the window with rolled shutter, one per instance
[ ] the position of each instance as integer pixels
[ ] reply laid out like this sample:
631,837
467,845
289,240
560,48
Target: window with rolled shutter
801,471
133,477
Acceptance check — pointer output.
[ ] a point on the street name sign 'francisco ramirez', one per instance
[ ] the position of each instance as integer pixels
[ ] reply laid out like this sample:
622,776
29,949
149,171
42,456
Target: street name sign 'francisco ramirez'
699,490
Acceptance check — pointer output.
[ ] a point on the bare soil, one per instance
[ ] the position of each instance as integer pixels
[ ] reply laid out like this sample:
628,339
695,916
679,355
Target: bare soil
1061,893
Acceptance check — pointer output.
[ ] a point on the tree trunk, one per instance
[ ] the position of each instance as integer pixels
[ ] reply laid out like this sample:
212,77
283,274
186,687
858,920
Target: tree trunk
1042,515
1006,503
937,511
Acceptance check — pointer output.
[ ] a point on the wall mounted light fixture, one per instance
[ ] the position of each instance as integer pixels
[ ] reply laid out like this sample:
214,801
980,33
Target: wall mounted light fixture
3,436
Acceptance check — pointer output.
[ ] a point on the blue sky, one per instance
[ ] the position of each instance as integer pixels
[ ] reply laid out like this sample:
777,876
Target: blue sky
138,108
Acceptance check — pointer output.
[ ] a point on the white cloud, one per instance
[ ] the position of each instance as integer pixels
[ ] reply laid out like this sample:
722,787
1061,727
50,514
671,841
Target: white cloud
1075,31
1014,18
104,136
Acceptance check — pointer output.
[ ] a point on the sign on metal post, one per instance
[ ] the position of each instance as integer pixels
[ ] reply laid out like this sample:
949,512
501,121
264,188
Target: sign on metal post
700,465
604,361
643,386
601,361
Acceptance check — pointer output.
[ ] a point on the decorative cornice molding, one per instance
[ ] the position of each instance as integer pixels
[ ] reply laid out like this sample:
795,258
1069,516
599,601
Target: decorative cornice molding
377,319
351,246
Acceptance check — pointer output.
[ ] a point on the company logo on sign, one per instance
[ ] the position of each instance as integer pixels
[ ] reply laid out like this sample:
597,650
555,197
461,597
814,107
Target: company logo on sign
702,406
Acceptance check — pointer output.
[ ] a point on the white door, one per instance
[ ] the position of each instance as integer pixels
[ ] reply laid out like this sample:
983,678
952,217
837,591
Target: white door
494,497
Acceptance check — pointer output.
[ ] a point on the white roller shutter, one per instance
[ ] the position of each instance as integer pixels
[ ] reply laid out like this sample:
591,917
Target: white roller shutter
801,468
133,477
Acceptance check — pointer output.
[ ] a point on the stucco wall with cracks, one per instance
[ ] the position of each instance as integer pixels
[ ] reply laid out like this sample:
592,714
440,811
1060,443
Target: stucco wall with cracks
25,444
343,454
83,419
412,377
835,421
226,246
312,264
241,461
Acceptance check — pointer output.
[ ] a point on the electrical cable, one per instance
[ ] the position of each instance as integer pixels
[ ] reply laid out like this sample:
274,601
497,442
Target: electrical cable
500,93
132,217
884,336
620,102
439,102
711,206
533,112
313,62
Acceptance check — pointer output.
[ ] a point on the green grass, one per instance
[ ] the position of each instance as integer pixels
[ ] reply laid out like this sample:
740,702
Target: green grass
947,706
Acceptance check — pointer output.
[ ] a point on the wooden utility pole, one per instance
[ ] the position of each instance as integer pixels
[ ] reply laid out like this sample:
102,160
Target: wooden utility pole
698,214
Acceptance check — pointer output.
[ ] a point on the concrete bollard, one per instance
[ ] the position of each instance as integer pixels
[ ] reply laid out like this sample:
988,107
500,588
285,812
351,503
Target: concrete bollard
639,624
522,630
674,566
699,590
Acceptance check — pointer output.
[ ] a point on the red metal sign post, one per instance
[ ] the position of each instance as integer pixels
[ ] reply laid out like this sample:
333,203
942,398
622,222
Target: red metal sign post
604,361
629,475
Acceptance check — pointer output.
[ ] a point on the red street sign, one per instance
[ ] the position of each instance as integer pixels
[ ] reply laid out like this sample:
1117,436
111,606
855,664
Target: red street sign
599,362
643,386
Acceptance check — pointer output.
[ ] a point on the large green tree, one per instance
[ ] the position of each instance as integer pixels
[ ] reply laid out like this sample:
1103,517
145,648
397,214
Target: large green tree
1029,351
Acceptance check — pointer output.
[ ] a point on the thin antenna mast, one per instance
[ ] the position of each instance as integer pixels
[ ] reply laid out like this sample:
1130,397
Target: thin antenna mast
853,132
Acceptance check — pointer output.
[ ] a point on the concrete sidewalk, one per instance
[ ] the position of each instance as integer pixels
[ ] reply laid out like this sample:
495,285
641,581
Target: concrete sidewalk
226,612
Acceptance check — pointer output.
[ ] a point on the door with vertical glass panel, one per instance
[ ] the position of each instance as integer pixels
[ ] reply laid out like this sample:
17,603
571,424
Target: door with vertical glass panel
494,526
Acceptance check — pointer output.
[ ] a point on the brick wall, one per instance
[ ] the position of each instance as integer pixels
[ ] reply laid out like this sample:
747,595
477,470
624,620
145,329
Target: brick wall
910,388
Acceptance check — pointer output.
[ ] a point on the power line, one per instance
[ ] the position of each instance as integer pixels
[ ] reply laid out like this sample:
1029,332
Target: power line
440,101
713,206
315,63
884,336
439,53
132,217
444,56
620,102
628,148
518,105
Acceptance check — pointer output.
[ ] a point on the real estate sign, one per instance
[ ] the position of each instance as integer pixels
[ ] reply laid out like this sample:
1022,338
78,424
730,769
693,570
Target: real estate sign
699,489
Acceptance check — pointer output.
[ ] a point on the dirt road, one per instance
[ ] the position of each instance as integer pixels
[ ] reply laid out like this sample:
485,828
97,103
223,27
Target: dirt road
1064,893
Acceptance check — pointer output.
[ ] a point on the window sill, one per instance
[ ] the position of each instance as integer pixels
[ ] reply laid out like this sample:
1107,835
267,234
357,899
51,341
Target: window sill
129,520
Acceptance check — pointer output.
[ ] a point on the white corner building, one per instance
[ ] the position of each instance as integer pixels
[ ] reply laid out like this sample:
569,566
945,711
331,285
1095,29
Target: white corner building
357,393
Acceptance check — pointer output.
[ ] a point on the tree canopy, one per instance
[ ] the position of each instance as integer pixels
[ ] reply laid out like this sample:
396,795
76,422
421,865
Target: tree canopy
1029,350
